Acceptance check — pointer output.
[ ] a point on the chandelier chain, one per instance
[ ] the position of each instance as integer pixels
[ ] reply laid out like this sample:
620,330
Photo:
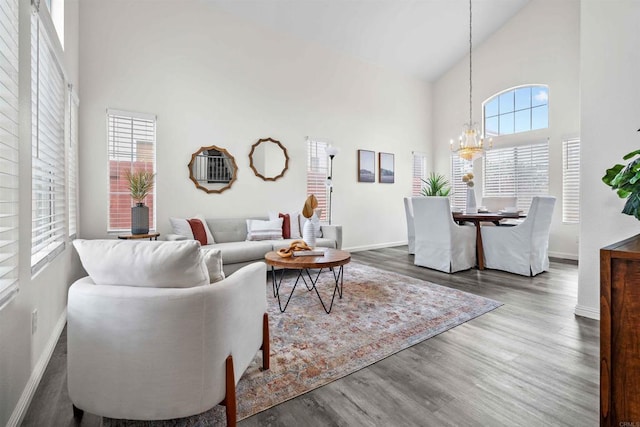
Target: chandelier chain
470,69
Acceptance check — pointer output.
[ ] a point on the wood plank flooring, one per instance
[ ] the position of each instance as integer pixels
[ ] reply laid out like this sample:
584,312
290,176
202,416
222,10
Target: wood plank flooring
530,362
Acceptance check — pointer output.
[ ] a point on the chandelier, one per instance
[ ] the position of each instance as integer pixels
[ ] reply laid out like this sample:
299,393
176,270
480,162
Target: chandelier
471,144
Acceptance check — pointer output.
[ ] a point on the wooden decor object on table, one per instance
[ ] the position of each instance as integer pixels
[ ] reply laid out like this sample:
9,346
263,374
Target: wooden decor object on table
620,333
150,236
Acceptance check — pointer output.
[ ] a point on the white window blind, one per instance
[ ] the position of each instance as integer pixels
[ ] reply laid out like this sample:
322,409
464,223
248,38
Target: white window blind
317,172
8,150
72,162
521,171
132,147
419,173
571,181
458,195
48,149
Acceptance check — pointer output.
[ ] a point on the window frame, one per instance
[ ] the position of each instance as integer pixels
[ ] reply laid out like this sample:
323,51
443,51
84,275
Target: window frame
317,174
419,172
147,127
571,180
498,97
521,154
458,194
9,152
49,186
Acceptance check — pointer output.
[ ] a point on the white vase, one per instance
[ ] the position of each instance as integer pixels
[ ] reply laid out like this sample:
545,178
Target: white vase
308,234
471,201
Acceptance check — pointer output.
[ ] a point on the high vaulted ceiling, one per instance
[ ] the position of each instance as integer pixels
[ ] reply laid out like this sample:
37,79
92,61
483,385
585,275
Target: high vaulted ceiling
422,38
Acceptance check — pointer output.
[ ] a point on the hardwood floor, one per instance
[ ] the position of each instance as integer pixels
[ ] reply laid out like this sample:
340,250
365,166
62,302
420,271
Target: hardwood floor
530,362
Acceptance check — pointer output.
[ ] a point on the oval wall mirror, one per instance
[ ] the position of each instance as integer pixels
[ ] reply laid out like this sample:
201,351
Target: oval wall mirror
212,169
268,159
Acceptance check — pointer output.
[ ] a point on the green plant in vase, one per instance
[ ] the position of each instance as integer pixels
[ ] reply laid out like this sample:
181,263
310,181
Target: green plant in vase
626,181
436,185
140,184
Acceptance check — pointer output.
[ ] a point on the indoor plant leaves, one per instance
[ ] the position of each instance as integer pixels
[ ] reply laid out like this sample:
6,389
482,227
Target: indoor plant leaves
626,181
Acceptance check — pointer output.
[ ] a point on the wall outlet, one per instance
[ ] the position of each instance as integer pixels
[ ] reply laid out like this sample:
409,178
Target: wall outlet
34,321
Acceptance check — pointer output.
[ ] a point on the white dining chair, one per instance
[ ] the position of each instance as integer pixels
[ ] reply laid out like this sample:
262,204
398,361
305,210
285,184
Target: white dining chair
441,244
411,233
524,248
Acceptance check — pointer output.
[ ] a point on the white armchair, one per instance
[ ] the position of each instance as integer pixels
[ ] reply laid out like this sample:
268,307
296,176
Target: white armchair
441,244
152,353
411,233
524,248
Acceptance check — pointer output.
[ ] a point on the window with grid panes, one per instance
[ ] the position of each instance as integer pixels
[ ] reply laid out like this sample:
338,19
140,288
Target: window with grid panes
9,151
571,181
516,110
49,192
521,171
317,172
132,147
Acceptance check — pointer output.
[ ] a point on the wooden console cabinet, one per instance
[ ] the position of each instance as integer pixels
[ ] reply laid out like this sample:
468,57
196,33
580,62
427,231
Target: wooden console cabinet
620,333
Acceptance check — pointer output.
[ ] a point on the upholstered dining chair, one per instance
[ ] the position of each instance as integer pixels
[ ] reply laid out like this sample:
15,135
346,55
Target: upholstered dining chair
411,233
149,338
524,248
441,244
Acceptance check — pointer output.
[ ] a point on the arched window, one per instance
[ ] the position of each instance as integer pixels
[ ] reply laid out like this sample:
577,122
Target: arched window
520,109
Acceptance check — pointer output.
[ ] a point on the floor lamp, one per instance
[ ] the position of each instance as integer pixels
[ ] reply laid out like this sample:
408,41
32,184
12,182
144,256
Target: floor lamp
331,152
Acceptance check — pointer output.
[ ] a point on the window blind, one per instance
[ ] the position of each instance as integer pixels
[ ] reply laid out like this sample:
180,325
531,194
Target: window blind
419,173
571,181
48,149
458,195
132,147
317,172
72,162
521,171
8,150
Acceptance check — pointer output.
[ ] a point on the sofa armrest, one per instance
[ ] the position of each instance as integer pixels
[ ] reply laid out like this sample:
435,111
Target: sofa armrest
333,232
175,237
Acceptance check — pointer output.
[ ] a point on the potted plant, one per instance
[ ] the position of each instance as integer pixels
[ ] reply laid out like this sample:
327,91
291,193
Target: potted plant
308,230
140,184
436,185
626,180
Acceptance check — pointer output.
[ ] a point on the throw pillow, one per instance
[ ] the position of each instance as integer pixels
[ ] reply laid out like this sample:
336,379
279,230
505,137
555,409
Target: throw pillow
156,264
182,227
212,258
197,228
294,223
286,226
264,230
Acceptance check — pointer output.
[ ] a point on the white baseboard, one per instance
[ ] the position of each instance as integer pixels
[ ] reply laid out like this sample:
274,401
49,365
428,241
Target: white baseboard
376,246
36,375
590,312
563,255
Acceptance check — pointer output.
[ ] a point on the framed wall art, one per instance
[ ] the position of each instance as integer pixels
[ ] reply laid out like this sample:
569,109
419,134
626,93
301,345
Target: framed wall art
366,166
386,171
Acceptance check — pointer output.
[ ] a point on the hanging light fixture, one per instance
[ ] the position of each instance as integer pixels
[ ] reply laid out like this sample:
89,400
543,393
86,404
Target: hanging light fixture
470,143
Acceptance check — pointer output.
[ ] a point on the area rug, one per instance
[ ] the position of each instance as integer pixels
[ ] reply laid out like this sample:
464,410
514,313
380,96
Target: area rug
380,314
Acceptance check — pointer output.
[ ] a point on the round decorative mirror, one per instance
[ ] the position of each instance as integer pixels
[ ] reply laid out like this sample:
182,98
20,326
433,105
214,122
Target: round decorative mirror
268,159
212,169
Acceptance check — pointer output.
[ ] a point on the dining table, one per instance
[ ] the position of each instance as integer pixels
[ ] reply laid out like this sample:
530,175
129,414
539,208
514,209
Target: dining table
479,217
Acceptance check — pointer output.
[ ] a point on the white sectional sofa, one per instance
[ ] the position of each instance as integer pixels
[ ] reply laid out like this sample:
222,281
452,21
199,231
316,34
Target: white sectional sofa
230,235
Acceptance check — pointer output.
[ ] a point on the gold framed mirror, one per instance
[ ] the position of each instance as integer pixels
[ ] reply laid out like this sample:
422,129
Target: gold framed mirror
268,159
212,169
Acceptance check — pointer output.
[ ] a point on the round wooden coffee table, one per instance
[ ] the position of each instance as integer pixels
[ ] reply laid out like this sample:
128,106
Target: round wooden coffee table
304,264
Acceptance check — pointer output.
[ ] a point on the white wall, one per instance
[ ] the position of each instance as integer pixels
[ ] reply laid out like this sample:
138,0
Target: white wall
539,45
24,356
214,80
610,117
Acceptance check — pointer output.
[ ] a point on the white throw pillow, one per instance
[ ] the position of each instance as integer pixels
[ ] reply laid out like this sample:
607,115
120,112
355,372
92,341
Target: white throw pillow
157,264
294,221
181,227
212,258
264,230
